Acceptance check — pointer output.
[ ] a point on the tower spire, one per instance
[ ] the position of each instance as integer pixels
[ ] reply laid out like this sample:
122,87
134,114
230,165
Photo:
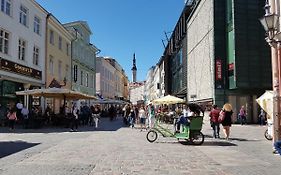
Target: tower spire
134,69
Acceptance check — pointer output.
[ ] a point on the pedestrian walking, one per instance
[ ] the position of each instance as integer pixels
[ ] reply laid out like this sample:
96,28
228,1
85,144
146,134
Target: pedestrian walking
12,117
142,115
111,112
126,110
132,118
242,115
96,115
25,115
75,118
136,111
151,115
226,120
277,147
262,117
214,116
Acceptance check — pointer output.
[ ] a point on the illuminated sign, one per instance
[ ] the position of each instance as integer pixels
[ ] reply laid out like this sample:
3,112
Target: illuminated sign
20,69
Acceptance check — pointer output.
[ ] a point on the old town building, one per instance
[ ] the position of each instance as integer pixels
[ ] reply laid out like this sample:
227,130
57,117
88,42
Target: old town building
22,49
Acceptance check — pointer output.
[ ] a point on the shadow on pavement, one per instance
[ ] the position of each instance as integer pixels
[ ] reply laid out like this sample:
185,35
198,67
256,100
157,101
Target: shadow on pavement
234,139
104,125
166,142
8,148
218,143
243,140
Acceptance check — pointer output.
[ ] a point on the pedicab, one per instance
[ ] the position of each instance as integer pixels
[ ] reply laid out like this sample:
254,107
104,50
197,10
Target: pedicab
191,132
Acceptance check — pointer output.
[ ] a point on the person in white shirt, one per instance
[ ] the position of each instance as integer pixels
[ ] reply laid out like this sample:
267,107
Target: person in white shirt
75,119
143,117
151,115
25,112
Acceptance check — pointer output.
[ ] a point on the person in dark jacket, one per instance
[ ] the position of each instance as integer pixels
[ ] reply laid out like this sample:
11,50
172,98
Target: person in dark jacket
132,118
214,115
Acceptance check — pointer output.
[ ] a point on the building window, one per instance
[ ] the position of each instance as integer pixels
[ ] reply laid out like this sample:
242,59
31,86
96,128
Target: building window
60,70
36,27
6,7
91,81
67,49
87,79
23,15
60,42
66,71
52,37
35,55
21,49
4,41
81,83
51,65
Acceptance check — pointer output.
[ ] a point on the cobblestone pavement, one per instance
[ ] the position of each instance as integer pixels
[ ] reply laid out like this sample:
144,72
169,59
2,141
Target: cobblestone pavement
116,150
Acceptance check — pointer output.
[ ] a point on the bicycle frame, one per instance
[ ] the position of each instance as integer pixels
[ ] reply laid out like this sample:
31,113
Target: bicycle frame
164,131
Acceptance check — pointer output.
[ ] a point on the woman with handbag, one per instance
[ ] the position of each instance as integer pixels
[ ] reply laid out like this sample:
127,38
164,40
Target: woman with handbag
12,117
226,119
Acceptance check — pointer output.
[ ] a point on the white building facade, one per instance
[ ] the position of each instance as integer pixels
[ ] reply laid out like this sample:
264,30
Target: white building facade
22,48
105,79
137,93
149,86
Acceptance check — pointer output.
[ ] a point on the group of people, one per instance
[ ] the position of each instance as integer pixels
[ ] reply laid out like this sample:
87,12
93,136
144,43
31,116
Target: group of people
223,117
145,115
90,115
13,113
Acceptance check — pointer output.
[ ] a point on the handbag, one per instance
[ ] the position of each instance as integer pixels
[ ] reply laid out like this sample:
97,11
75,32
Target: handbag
221,116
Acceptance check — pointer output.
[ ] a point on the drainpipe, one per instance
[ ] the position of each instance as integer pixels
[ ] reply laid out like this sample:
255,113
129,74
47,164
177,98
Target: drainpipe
46,54
46,47
71,56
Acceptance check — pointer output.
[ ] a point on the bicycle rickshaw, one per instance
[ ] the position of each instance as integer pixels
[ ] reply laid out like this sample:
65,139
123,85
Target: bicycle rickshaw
191,132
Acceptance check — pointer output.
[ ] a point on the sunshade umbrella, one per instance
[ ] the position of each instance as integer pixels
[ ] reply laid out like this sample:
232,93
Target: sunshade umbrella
56,93
169,99
266,102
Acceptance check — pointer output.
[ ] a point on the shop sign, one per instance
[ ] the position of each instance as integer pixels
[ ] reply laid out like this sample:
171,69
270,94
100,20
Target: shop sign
219,74
19,69
218,70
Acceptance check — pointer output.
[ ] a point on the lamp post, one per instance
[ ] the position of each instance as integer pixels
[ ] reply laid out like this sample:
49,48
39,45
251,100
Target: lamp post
270,24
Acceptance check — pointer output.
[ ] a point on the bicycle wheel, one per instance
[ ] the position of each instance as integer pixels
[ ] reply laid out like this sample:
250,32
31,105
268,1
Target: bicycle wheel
266,135
197,138
151,136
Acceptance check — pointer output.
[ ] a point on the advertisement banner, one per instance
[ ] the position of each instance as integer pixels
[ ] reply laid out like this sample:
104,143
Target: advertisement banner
218,74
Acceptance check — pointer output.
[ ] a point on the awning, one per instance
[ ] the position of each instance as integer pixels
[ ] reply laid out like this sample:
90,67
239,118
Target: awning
56,93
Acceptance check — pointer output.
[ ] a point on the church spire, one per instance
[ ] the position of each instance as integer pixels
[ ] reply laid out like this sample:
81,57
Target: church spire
134,69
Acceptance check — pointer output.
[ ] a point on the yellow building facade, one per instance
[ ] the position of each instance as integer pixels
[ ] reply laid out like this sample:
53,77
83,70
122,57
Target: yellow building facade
58,59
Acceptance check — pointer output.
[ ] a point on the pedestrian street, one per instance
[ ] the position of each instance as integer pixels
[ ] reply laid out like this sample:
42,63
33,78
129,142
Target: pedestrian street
113,149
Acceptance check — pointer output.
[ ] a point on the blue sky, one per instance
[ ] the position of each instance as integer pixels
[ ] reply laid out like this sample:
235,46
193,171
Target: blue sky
123,27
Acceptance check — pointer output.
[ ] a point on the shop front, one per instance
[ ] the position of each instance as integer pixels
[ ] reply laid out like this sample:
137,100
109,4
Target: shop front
16,77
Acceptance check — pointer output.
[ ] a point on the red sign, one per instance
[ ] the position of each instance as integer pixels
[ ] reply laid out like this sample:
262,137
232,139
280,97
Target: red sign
231,66
218,70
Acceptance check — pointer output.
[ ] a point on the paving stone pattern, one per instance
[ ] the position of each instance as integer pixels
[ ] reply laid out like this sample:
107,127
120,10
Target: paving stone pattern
116,150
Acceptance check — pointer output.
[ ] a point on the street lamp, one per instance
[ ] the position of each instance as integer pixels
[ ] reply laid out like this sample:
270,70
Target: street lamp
271,26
